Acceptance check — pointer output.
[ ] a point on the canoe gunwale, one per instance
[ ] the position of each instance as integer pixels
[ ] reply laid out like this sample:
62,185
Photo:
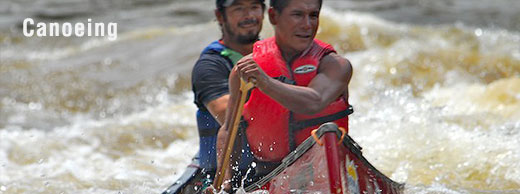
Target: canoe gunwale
190,172
348,142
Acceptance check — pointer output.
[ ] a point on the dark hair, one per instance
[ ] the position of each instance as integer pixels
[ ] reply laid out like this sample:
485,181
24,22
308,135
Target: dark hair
279,5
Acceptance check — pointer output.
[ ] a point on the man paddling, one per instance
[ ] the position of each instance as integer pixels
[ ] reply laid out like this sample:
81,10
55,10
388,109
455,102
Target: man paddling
300,83
240,22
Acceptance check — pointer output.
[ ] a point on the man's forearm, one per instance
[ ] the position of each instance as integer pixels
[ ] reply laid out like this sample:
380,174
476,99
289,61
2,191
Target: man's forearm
299,99
223,134
217,108
305,100
235,156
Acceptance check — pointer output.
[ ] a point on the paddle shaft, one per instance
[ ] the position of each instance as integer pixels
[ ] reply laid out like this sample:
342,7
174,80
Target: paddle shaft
233,130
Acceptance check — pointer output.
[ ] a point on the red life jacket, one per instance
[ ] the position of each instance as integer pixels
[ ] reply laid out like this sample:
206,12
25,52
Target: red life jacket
271,129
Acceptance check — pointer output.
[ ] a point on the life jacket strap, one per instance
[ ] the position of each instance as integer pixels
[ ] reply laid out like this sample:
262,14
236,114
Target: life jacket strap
208,132
285,80
242,125
232,55
295,126
299,125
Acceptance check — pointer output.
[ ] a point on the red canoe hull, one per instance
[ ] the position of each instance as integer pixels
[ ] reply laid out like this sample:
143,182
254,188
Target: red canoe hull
332,168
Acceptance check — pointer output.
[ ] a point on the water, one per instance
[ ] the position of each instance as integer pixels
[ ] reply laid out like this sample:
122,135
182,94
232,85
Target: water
436,89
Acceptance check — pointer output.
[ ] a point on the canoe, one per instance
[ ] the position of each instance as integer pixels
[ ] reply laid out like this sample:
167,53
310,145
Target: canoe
327,162
185,183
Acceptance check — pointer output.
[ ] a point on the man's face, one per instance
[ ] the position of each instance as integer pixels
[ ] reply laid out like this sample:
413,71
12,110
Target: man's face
243,21
297,24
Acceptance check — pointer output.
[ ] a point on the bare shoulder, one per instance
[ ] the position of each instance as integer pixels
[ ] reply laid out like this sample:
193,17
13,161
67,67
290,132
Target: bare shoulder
333,59
335,64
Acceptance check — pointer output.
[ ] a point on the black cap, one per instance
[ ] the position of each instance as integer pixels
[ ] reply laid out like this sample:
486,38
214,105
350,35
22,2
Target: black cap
224,3
227,3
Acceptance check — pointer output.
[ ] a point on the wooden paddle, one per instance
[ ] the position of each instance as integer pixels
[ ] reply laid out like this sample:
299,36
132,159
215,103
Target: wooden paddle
233,129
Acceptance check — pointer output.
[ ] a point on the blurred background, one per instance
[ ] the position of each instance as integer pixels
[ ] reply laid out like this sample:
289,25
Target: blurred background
436,89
